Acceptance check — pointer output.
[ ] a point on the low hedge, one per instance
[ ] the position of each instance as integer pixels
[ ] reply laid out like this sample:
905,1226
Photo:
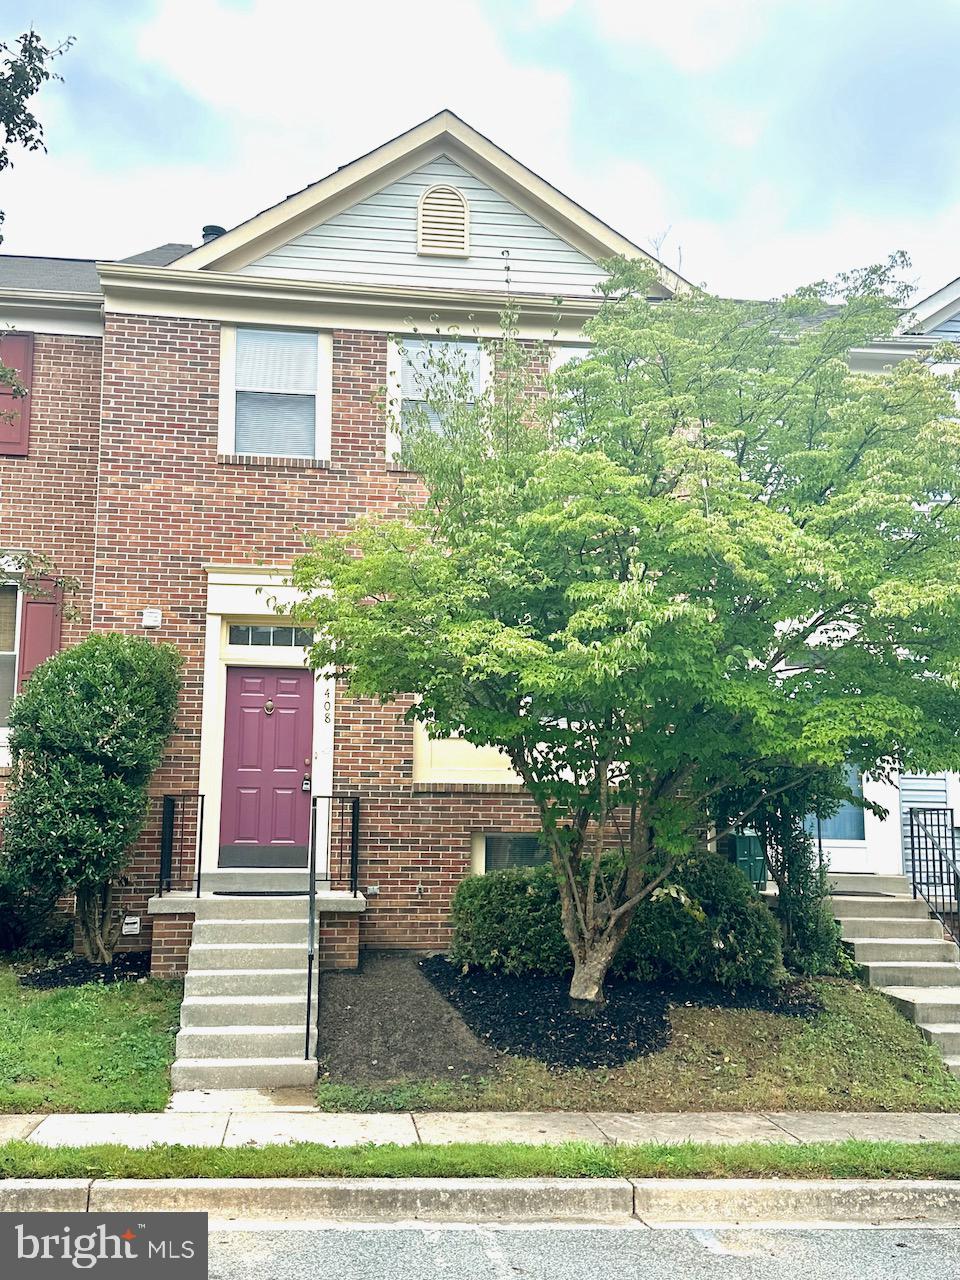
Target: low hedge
510,921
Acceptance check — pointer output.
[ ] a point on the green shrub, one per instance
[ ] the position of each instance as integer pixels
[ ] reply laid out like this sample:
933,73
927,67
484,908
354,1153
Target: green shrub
510,921
732,939
86,734
29,920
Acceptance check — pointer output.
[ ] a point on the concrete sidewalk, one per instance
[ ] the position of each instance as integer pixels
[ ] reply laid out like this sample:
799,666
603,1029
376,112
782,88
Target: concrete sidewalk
250,1128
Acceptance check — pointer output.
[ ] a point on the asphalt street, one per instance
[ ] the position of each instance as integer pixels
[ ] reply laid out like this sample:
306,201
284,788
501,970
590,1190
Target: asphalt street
371,1252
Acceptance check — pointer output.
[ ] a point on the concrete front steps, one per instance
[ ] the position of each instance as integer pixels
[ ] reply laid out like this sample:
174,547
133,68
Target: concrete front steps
244,1014
903,953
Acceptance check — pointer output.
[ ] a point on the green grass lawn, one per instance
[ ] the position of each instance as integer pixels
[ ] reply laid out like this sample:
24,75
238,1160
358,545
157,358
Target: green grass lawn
89,1048
493,1160
859,1054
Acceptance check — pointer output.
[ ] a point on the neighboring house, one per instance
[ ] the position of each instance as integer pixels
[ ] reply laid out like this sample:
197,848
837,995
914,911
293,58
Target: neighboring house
189,409
857,841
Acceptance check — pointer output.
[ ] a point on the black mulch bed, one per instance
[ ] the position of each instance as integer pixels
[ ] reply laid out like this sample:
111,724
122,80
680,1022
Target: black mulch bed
530,1016
385,1020
75,971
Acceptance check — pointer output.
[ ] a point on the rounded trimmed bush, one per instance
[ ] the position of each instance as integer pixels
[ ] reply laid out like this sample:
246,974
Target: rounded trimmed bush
86,734
510,921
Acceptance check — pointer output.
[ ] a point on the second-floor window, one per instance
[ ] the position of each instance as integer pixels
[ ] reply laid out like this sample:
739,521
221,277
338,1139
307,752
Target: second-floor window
422,372
275,393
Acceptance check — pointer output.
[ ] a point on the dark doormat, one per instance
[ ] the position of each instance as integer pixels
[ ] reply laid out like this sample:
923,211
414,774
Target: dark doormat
386,1021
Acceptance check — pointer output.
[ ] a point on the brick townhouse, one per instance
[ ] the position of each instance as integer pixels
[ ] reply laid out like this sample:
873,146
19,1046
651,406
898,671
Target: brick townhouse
189,409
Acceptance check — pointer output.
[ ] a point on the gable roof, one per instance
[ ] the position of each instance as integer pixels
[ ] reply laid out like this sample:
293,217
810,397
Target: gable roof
933,310
443,133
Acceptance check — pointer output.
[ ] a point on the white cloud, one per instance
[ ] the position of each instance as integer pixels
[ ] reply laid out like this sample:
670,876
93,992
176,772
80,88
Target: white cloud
694,35
298,104
303,88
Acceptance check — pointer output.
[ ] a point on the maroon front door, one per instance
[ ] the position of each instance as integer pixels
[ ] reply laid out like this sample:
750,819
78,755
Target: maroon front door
268,735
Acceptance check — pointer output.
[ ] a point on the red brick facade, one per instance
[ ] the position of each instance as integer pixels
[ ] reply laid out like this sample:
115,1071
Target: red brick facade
48,498
165,506
171,944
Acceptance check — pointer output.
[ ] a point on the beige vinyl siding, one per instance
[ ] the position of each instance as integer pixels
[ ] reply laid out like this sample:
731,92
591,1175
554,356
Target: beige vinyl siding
375,241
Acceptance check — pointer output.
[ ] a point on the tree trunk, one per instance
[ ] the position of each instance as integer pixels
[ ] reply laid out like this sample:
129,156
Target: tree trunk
98,929
586,985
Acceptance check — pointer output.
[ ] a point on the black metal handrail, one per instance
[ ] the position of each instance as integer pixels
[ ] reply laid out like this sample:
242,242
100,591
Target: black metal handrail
933,865
341,846
175,821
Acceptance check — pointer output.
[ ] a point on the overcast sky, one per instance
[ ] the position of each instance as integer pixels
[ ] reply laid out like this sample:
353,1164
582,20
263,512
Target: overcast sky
763,143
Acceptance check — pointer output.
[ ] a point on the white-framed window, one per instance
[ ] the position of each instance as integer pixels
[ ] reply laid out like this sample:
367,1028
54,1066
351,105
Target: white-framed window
559,356
418,368
500,850
275,391
9,631
268,635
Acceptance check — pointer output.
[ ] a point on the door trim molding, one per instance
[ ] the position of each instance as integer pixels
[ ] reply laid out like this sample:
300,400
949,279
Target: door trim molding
234,596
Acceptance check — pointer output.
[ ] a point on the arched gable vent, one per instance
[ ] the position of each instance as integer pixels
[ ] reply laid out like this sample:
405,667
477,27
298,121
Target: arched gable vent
443,223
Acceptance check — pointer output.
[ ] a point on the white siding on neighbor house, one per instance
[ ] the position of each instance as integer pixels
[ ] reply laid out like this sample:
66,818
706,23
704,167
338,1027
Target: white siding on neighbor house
375,241
949,330
919,791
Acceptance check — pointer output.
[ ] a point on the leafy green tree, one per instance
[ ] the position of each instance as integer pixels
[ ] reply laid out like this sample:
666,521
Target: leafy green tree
782,806
86,734
712,558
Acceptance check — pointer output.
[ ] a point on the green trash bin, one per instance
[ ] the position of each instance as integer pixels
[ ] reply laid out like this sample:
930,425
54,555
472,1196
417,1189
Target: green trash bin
748,855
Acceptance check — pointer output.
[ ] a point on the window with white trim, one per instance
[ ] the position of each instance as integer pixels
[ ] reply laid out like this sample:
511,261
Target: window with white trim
421,372
503,850
560,356
267,635
8,650
275,393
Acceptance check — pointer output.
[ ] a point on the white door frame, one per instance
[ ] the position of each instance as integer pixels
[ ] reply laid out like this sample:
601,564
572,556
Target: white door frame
242,594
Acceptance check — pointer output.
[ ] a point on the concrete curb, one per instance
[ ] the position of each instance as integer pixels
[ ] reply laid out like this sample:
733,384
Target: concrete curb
39,1195
665,1202
378,1199
654,1202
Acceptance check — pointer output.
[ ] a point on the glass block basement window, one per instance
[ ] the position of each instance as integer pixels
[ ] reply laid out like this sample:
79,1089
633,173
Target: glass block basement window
504,851
270,636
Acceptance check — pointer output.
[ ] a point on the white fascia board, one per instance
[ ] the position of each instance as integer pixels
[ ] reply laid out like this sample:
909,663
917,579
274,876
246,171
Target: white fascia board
39,311
221,296
878,355
929,311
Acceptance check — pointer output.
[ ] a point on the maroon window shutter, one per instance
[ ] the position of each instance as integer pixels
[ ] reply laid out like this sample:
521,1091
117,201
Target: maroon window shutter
16,352
41,616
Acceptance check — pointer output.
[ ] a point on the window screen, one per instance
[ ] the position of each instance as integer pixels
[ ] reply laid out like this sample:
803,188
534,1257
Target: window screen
276,393
564,355
504,851
8,647
431,367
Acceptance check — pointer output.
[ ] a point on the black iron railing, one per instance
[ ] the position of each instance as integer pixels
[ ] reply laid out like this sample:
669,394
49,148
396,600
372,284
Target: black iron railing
934,870
335,859
181,841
